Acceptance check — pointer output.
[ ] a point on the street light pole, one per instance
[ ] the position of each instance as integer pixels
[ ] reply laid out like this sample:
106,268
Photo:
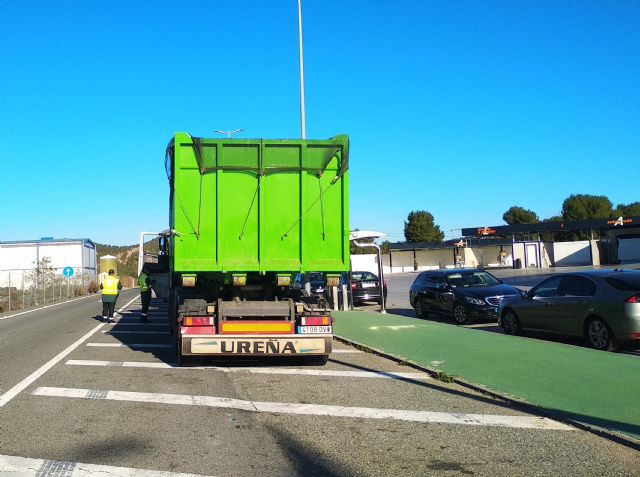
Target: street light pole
228,133
303,133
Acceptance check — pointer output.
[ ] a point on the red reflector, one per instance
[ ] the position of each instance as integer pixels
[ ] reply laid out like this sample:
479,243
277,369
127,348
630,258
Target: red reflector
633,299
635,336
196,321
316,320
197,330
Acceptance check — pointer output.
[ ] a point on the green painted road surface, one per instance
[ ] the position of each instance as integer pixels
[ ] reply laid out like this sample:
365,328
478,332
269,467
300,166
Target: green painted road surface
592,387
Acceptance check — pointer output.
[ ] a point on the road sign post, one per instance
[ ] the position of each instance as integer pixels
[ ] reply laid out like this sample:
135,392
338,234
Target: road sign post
68,273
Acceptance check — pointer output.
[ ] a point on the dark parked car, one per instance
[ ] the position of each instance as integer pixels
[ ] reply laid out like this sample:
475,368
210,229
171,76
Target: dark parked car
316,281
467,293
602,306
365,286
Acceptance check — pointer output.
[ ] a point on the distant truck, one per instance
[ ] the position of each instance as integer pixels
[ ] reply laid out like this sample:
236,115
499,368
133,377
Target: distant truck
246,216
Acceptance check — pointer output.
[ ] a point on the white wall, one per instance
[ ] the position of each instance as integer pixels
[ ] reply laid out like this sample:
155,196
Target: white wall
487,256
568,254
365,263
17,259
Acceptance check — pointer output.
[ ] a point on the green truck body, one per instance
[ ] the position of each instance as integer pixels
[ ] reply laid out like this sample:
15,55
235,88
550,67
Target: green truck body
246,216
260,205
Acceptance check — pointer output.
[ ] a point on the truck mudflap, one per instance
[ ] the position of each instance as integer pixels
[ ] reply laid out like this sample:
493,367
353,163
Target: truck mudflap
254,345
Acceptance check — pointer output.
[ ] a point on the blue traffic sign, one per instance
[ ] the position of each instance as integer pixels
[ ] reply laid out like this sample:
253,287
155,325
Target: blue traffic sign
68,272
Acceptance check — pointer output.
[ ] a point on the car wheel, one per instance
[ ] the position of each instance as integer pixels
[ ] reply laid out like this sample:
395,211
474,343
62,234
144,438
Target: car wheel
510,323
420,311
460,314
600,336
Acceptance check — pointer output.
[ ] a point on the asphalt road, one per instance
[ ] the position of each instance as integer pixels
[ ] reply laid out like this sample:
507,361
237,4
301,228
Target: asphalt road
398,302
110,406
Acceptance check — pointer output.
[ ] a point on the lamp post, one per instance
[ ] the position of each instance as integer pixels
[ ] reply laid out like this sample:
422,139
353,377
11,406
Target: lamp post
228,133
303,133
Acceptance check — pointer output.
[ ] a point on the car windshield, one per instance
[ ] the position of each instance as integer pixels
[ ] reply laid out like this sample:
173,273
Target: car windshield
472,279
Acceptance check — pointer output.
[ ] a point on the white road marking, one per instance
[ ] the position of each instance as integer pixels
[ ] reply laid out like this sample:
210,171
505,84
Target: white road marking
346,351
392,327
257,370
122,345
22,466
15,390
116,332
45,307
520,422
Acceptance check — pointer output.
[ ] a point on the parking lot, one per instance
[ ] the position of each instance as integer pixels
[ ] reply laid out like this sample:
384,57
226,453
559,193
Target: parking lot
398,285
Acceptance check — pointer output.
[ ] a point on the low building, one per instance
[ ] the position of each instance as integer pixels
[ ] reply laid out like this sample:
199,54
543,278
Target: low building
19,259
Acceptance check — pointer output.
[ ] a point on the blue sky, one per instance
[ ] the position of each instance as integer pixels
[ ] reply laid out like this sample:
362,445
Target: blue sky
460,108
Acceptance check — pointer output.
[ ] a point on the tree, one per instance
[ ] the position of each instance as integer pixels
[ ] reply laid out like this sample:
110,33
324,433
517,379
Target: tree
519,215
585,207
629,210
419,227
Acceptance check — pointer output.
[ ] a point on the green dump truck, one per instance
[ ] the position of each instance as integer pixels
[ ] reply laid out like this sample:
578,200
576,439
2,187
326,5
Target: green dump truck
246,217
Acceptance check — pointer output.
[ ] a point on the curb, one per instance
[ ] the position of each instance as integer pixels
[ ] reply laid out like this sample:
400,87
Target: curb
614,436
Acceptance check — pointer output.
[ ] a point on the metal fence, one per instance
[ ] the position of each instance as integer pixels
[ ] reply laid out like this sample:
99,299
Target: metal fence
22,290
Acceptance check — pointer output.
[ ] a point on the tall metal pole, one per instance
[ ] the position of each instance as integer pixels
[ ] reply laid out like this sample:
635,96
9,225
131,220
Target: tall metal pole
383,306
303,133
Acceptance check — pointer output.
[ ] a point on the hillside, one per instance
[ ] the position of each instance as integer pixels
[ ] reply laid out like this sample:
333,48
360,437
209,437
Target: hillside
126,255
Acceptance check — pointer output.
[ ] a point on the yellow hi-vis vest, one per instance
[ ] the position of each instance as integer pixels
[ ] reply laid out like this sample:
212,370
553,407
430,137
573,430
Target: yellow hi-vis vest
110,285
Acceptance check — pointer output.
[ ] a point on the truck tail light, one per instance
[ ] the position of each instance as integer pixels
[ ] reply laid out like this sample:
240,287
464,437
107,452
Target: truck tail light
384,284
353,286
316,320
197,321
634,336
239,280
633,299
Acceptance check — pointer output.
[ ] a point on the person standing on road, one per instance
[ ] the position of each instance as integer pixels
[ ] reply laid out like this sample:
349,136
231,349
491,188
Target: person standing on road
110,287
144,282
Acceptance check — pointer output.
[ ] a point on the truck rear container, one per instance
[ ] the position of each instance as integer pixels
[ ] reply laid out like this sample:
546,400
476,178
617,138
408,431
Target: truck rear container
245,217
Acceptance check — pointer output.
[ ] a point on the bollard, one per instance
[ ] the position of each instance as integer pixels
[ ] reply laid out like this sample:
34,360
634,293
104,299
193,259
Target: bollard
345,298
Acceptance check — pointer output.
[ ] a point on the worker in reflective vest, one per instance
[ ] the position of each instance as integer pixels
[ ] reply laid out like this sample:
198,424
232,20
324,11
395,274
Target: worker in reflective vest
110,287
144,282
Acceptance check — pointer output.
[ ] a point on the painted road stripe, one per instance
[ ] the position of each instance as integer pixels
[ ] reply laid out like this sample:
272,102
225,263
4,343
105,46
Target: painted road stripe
521,422
22,466
346,351
122,345
256,370
116,332
14,391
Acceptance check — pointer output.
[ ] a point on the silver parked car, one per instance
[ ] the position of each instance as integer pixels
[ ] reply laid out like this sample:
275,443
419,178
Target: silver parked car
602,306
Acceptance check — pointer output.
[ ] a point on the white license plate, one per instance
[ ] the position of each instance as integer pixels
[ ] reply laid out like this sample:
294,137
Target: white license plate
368,285
314,329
